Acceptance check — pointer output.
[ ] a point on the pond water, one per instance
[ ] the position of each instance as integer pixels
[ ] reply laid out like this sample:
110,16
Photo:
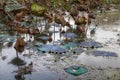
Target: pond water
48,66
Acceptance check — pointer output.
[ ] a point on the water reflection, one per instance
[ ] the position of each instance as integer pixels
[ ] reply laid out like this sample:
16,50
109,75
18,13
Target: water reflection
45,37
23,65
3,57
23,70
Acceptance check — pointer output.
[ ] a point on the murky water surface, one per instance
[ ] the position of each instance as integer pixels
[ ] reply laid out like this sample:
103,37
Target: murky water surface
51,66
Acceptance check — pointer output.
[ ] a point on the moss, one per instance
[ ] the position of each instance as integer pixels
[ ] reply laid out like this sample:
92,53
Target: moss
38,9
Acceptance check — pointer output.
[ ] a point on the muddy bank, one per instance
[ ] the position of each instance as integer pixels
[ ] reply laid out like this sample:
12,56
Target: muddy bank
108,18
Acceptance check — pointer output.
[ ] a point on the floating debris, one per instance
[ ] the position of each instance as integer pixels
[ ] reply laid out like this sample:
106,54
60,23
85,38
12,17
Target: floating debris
91,44
76,70
104,53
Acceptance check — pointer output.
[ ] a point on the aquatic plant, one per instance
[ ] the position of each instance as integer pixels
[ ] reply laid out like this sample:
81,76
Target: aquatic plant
52,48
104,53
90,44
76,70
